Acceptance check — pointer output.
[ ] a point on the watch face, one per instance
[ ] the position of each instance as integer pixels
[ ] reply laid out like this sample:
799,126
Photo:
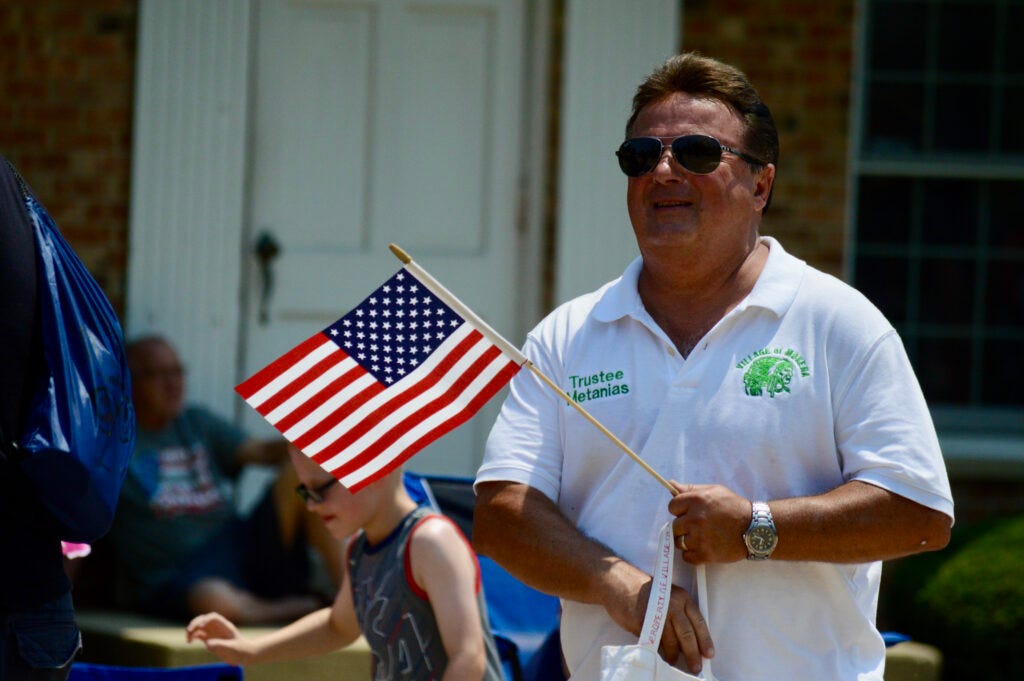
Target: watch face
761,539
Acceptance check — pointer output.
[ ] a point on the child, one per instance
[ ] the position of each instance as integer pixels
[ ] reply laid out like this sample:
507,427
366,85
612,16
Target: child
412,588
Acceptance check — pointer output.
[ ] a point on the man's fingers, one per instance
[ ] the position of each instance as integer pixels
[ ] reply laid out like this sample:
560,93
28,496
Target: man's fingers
700,629
687,641
669,647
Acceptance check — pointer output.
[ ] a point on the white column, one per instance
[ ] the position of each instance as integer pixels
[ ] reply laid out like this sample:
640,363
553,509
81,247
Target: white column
188,178
610,46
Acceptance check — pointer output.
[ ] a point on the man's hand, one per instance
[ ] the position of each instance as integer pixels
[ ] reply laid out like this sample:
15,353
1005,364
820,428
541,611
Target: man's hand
710,522
686,632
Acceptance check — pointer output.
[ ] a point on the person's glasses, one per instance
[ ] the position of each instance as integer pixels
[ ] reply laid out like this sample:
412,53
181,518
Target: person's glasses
316,495
700,154
162,373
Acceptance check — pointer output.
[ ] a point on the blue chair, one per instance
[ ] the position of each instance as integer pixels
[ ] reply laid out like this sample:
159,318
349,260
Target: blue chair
85,671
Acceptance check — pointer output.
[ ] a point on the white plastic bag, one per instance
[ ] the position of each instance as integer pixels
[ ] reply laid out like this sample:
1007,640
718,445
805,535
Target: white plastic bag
641,662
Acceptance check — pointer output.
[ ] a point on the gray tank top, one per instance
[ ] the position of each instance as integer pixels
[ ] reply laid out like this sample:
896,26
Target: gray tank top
395,615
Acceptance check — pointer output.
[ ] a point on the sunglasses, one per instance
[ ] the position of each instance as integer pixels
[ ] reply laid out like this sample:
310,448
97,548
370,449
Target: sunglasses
700,154
316,495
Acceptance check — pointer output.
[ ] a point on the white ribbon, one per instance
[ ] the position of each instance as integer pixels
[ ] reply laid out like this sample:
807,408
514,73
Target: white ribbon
661,592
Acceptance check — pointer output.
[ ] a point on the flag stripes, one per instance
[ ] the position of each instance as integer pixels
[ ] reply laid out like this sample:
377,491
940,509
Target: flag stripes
384,381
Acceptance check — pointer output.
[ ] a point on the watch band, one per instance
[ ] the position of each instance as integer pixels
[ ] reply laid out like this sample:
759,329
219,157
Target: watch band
761,512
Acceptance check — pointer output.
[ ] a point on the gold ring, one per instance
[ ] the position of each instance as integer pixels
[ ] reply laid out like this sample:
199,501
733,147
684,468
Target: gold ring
682,542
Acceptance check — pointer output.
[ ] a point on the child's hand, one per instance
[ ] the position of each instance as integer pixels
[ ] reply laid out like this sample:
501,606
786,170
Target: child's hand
220,637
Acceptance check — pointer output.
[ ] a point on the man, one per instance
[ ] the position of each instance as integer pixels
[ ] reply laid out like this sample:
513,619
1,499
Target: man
180,547
779,398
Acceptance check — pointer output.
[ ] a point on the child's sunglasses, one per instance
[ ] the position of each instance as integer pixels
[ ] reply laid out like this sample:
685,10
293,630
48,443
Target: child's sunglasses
316,495
700,154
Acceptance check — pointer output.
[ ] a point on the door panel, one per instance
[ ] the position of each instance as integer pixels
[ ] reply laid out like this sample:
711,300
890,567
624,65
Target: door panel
380,121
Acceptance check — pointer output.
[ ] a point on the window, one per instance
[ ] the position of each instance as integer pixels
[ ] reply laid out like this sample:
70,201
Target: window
938,207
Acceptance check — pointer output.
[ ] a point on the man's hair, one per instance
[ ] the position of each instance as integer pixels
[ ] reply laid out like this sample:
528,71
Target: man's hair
702,76
137,347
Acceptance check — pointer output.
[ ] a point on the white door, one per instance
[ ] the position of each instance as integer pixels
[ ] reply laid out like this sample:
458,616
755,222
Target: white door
378,121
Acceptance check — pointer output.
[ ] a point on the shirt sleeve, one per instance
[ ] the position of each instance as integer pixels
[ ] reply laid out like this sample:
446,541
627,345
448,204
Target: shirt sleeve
220,436
525,444
884,429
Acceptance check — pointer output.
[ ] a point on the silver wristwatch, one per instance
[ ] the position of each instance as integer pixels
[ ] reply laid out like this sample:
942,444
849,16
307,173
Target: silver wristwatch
761,537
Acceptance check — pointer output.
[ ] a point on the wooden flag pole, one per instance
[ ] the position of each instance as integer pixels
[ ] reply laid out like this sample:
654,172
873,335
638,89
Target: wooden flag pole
441,292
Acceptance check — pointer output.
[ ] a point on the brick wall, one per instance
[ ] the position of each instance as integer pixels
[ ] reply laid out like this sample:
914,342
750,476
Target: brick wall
66,80
799,56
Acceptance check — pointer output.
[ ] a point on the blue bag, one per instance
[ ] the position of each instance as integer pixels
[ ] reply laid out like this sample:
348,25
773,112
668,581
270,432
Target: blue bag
81,424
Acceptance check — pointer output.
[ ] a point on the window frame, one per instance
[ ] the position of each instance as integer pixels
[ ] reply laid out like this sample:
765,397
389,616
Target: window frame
976,439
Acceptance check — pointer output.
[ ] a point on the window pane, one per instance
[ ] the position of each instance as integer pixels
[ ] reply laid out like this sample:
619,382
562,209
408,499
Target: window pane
1002,373
1012,138
950,212
1014,53
1004,295
884,210
884,282
1007,210
947,291
897,38
966,33
943,367
894,118
962,117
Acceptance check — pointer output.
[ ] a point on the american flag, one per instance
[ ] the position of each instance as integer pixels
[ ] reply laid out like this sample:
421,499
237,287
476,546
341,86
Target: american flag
397,372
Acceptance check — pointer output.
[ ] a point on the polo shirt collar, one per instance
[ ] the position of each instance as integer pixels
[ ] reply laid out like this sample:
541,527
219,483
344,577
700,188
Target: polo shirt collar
775,288
779,281
621,297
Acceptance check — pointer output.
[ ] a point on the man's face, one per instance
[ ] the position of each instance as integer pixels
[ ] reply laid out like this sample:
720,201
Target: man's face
158,384
671,207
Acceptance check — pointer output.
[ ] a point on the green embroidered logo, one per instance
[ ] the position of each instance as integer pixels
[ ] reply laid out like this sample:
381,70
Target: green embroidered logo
771,370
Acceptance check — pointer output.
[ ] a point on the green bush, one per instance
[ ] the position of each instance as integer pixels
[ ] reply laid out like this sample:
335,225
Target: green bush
972,606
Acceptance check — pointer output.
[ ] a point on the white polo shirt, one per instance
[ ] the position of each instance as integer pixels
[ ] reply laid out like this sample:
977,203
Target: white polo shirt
800,388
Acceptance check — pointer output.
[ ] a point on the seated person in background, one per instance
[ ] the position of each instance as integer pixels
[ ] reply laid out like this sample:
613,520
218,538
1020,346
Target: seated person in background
180,547
412,588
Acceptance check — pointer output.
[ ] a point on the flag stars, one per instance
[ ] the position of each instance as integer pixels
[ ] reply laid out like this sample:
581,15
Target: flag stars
397,327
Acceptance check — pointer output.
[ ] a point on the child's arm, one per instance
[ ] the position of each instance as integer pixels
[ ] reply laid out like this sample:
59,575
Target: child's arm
317,633
444,566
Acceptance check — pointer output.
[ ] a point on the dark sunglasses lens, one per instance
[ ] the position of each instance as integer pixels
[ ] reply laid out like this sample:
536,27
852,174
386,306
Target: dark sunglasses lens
697,153
639,155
